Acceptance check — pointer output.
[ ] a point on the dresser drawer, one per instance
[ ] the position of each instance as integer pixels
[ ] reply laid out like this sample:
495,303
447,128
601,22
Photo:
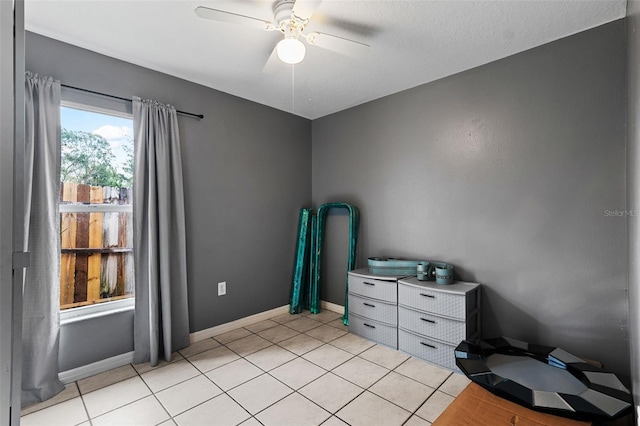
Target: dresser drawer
374,288
449,330
374,330
373,309
430,350
434,301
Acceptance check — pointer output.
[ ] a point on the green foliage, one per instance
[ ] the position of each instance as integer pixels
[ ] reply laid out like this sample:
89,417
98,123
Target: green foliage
127,166
87,159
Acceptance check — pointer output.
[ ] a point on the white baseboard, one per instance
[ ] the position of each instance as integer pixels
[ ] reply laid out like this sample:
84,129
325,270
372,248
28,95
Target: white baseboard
95,368
223,328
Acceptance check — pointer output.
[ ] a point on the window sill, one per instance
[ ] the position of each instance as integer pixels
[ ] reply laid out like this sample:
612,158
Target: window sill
85,313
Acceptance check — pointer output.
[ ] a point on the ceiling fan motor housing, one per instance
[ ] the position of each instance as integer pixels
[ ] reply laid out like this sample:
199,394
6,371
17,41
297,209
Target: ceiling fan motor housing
282,11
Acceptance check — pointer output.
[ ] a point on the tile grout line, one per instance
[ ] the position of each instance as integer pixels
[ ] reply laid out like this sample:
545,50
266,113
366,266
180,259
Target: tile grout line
330,343
368,389
263,373
240,384
278,343
300,356
163,407
124,405
391,402
86,410
428,398
349,381
306,384
344,405
294,391
199,404
138,374
267,372
244,408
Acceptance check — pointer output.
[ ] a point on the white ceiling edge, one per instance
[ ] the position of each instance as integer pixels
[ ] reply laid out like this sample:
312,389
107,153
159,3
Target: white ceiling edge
413,43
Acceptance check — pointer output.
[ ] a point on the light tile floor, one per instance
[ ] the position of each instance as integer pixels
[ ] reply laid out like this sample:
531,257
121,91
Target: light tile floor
293,370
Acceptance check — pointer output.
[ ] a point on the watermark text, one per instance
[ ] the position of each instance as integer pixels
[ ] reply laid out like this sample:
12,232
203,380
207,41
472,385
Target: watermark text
622,213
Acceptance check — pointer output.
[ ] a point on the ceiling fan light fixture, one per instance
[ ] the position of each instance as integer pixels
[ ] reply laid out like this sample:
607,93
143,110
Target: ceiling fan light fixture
291,50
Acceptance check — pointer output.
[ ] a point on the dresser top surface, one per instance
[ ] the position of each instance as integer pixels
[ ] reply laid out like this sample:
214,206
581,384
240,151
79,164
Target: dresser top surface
364,273
457,287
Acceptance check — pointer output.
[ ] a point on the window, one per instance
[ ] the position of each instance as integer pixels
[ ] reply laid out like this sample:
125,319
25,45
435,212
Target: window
96,214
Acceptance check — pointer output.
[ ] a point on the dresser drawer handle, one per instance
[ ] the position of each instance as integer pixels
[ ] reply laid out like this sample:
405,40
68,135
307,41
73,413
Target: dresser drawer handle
428,320
368,304
368,325
428,295
426,344
367,283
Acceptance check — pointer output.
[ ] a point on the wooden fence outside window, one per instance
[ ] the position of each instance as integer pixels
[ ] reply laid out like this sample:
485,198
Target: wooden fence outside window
96,248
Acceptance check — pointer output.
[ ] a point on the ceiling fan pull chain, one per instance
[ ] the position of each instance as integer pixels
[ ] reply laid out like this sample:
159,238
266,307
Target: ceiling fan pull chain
293,89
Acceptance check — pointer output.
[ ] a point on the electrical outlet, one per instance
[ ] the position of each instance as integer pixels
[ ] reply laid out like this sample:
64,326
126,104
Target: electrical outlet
222,288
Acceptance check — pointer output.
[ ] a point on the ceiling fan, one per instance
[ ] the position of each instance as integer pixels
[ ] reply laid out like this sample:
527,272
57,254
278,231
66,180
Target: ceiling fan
290,18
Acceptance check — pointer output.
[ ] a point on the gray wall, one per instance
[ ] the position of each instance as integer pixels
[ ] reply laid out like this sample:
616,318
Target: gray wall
246,172
95,339
633,186
506,171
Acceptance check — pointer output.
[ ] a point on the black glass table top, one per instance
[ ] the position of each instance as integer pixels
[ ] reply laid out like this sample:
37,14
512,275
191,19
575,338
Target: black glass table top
543,378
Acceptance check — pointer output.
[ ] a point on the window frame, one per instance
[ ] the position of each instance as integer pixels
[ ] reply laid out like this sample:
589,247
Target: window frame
82,313
95,208
119,109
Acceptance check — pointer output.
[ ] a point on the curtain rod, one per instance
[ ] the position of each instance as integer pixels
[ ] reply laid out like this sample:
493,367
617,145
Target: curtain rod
124,99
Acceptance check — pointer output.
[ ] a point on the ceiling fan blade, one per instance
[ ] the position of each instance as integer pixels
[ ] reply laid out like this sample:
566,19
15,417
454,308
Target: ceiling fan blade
338,44
233,18
274,64
305,8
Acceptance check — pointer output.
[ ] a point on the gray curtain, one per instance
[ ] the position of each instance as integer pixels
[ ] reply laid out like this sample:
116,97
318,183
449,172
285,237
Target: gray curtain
41,294
161,311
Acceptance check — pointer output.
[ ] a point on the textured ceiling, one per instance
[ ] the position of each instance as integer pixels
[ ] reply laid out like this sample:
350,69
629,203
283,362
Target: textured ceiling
412,42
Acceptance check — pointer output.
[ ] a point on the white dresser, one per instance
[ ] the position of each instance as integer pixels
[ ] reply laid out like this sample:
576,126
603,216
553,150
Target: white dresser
373,306
433,319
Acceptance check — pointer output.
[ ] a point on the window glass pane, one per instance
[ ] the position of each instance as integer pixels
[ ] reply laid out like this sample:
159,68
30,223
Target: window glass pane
97,150
96,246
